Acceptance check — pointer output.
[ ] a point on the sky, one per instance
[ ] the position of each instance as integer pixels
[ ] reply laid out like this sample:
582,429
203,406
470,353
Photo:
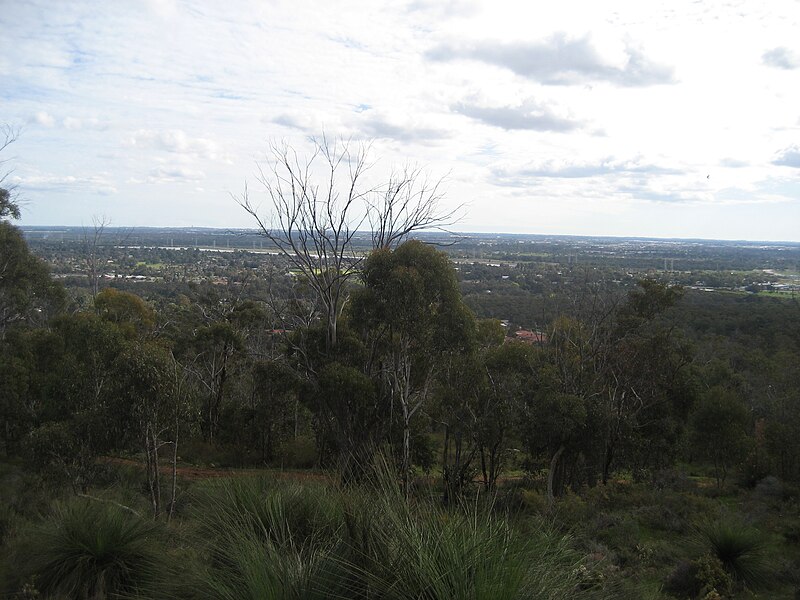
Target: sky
655,119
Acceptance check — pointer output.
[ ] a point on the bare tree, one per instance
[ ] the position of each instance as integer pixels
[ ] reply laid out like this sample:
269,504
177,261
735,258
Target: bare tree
91,242
319,203
408,203
313,224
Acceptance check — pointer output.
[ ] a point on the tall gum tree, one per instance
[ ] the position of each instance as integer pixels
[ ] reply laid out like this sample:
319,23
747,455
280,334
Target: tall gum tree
412,304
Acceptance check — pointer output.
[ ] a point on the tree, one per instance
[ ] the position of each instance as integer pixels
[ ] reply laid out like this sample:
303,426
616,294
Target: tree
126,310
27,293
508,370
412,309
211,344
461,382
91,243
319,203
719,430
68,385
9,207
147,404
641,364
349,397
271,414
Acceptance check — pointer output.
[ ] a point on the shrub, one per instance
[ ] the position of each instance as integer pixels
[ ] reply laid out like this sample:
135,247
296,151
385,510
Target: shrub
298,454
93,550
571,508
769,488
714,580
683,581
269,539
425,551
740,549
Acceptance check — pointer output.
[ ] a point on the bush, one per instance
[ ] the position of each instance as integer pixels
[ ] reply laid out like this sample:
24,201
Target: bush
571,508
93,550
683,581
534,502
267,538
769,488
740,549
298,454
271,539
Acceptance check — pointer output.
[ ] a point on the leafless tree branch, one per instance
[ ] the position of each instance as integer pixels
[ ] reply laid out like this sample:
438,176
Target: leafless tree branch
318,204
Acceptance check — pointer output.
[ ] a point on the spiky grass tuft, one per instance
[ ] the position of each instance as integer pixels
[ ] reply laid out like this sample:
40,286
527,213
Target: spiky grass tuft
93,550
270,539
741,549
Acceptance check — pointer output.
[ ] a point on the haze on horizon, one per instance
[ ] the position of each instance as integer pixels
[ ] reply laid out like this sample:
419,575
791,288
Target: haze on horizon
618,118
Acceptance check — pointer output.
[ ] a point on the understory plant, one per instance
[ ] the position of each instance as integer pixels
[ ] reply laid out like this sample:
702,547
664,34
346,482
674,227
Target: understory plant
741,550
93,550
272,539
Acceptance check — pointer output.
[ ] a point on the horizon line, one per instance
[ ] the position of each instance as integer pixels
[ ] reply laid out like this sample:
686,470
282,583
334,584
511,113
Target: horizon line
440,232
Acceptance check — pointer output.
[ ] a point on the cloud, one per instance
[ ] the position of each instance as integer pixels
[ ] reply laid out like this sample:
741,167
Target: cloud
444,8
781,58
788,157
296,121
175,174
733,163
672,194
521,176
43,118
73,123
529,115
559,61
375,126
97,184
368,123
174,140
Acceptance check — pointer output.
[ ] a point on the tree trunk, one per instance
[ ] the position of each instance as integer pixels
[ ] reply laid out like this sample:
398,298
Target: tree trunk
156,474
152,472
173,491
406,451
607,459
551,477
484,471
331,336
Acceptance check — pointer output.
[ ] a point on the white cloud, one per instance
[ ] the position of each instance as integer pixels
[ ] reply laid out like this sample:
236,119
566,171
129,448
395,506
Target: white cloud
559,60
173,140
788,157
781,58
175,174
529,115
96,184
43,118
75,123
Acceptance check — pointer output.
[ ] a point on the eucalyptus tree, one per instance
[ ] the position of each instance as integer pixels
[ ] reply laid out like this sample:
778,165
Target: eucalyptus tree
27,293
147,400
413,315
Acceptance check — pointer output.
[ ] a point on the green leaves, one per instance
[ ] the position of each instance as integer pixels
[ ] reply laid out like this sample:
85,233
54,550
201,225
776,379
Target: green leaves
27,294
